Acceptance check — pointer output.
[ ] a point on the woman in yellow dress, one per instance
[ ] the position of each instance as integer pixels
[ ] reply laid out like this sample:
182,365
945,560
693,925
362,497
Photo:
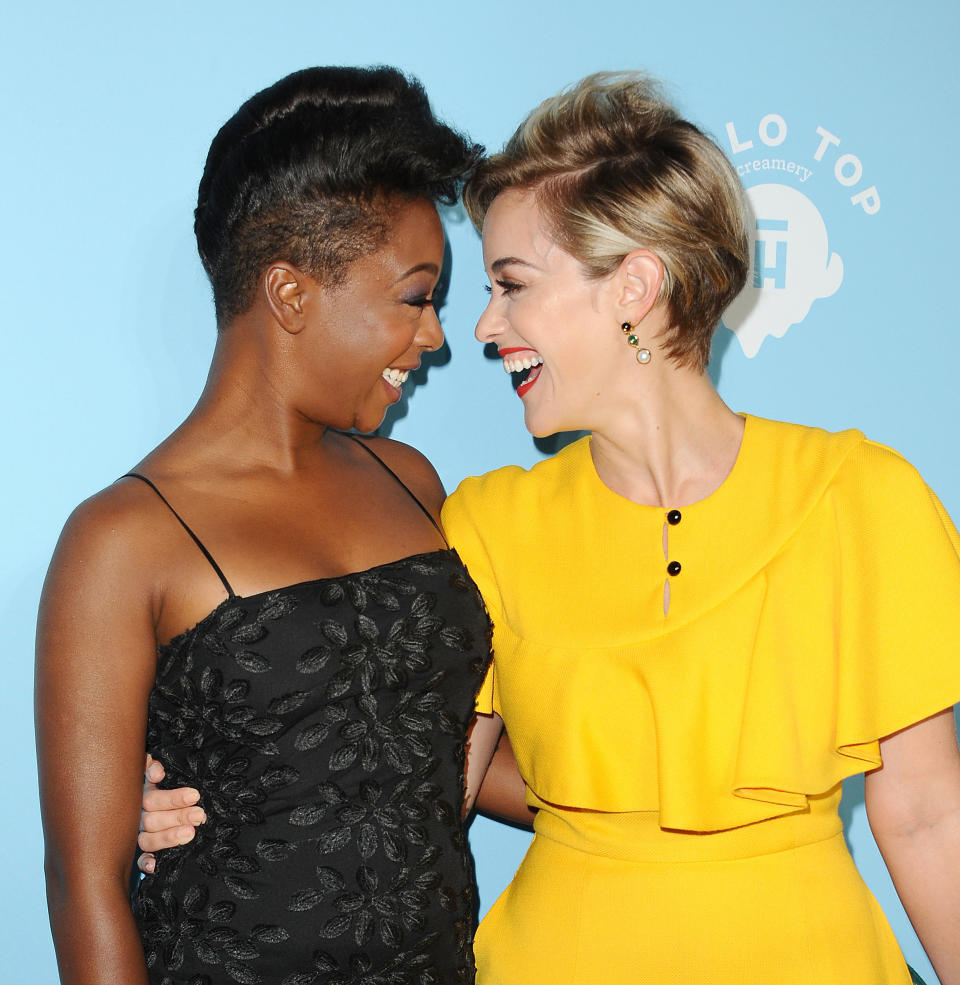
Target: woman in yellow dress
703,622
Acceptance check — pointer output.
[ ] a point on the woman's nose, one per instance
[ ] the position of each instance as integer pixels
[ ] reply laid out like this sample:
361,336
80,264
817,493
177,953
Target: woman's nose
430,335
489,326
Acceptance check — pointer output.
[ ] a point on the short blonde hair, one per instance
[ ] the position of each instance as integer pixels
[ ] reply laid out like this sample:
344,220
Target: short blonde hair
615,168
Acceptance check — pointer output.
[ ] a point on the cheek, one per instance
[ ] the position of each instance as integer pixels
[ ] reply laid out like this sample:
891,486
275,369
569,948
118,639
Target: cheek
396,330
378,342
574,328
350,366
573,305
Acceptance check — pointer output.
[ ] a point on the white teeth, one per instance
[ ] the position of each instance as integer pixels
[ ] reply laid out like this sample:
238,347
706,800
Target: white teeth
515,365
396,377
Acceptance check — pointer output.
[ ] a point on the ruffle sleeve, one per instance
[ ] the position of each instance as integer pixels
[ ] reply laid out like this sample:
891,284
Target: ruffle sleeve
857,635
846,630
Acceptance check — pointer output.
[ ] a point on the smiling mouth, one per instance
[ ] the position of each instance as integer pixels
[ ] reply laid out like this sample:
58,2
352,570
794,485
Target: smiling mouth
530,379
518,365
524,366
395,377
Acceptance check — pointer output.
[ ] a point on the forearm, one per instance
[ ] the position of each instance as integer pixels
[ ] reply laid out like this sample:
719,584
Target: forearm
88,862
482,737
94,932
502,794
925,866
913,805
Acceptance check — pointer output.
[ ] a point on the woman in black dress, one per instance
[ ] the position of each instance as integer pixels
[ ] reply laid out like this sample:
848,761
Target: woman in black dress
268,602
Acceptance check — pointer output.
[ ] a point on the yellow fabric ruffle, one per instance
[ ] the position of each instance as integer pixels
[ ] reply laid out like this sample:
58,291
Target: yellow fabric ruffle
817,611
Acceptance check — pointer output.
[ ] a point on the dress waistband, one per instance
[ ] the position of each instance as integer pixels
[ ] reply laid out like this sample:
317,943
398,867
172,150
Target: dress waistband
637,836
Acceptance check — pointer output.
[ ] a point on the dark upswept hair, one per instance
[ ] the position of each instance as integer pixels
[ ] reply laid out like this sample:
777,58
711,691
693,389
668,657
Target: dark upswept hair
615,168
308,169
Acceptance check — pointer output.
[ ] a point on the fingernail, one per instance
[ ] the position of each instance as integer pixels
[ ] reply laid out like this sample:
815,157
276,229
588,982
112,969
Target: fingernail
150,866
197,816
186,834
154,772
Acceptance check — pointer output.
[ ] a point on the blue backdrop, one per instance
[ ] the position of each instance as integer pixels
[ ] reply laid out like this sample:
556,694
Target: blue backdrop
833,114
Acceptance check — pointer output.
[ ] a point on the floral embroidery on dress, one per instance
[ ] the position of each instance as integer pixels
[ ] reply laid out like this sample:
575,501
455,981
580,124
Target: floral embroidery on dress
325,726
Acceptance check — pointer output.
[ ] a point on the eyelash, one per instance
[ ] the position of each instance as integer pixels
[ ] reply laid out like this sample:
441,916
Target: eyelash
421,303
507,286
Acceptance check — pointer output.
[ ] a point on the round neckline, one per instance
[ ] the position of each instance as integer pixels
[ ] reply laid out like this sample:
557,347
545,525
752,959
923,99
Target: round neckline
747,441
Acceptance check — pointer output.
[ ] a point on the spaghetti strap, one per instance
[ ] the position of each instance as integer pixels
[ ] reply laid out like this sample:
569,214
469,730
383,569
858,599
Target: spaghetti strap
196,539
406,488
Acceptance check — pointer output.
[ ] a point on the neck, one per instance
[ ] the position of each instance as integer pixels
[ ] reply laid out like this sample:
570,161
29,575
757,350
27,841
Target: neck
671,441
243,415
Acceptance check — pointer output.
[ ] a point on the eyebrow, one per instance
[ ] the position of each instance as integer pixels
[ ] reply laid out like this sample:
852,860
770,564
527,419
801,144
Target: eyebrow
498,265
430,268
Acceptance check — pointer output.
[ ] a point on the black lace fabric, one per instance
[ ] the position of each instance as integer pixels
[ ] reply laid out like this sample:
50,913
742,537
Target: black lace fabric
324,724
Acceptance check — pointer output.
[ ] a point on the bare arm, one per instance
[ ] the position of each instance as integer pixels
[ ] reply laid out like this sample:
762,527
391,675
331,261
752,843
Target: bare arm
482,737
95,668
503,793
913,804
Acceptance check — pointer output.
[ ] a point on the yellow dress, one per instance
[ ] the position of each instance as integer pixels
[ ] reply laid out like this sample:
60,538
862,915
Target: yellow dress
687,765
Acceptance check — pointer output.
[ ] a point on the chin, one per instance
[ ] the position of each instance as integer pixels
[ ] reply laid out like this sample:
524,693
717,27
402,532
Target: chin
367,420
543,426
368,426
544,430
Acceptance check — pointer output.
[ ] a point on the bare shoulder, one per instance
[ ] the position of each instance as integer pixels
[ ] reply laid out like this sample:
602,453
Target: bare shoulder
114,515
413,468
106,539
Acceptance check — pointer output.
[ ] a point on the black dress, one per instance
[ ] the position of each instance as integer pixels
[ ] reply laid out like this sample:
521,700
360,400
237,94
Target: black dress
324,725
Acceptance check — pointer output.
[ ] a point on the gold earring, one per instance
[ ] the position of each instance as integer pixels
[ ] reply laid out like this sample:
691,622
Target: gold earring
643,355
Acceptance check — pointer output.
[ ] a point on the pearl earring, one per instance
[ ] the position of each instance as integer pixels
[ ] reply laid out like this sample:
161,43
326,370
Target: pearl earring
643,355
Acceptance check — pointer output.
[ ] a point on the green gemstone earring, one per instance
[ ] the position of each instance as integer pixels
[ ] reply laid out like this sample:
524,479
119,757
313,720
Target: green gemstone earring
643,355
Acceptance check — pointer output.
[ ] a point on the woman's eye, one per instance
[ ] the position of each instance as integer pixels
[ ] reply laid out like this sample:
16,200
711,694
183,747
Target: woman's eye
420,303
506,286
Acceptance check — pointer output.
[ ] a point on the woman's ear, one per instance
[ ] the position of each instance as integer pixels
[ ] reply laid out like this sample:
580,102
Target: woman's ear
638,280
286,289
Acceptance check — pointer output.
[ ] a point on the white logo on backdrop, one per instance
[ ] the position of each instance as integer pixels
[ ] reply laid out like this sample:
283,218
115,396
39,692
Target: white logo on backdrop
791,266
791,263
